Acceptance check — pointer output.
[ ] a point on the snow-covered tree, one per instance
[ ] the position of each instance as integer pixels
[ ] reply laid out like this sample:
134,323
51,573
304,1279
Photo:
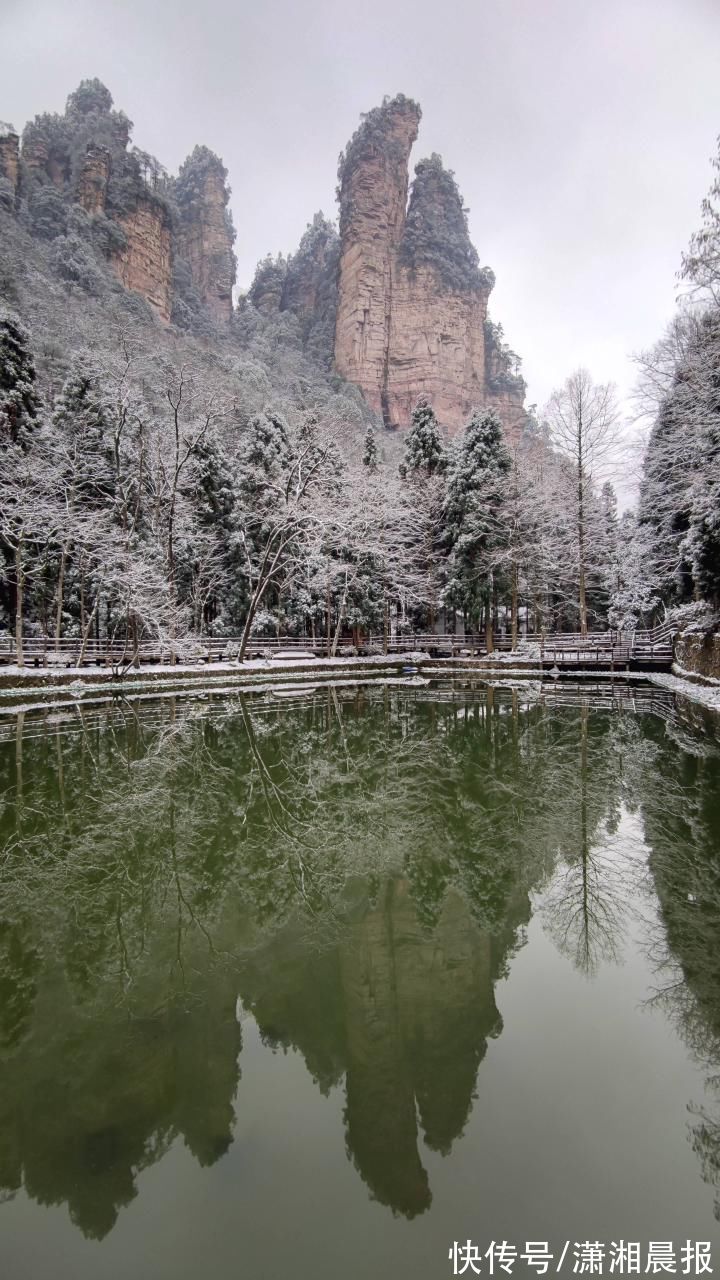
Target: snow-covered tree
679,485
423,446
583,420
474,515
633,590
701,262
19,398
370,451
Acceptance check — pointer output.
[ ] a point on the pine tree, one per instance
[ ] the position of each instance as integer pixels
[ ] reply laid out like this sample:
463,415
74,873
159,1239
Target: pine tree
423,447
608,549
680,485
477,490
370,452
81,420
701,263
19,399
482,454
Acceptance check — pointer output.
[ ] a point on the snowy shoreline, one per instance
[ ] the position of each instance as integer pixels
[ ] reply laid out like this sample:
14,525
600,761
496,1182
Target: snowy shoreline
704,691
36,688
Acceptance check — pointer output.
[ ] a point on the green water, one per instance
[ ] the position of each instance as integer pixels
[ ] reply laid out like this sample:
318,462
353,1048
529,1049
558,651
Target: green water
315,985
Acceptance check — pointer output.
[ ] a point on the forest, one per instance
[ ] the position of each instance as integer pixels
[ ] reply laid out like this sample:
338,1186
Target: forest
183,481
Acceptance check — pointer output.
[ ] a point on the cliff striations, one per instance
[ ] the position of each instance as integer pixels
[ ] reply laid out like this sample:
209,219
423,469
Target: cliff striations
205,231
169,240
412,300
144,264
373,178
92,186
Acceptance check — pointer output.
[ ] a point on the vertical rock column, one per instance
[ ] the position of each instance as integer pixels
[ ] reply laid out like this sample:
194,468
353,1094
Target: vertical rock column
373,197
9,155
205,236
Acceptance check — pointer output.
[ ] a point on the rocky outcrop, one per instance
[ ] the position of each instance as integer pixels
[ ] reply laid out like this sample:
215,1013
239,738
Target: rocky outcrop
698,652
412,302
306,285
205,232
93,179
144,264
436,349
177,235
310,287
41,158
266,290
9,155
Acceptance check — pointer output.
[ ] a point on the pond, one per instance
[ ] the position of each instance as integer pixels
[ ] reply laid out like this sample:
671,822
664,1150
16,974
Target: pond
316,983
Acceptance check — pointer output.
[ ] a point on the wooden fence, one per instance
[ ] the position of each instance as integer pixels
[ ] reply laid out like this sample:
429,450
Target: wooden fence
560,649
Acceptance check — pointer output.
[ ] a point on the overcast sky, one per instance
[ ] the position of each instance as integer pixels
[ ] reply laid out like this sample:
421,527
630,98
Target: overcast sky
580,131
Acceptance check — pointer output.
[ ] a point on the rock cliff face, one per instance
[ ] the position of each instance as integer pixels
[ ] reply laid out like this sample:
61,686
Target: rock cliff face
93,179
436,348
177,234
9,155
205,233
373,196
144,265
310,286
412,306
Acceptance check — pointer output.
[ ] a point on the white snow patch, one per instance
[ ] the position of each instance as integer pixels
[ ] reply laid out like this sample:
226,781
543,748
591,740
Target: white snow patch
705,694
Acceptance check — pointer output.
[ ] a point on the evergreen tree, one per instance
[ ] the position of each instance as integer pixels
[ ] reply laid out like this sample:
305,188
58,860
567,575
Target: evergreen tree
702,544
370,452
423,447
679,489
19,399
477,490
81,419
608,552
482,455
701,263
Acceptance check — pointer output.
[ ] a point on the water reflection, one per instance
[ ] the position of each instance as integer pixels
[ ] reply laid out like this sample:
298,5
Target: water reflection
358,868
680,803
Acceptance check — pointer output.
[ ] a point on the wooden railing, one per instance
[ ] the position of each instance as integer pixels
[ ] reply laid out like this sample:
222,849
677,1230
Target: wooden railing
561,649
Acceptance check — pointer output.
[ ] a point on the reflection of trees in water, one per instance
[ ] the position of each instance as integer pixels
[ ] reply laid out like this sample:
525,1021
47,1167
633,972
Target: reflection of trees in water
585,907
680,802
357,867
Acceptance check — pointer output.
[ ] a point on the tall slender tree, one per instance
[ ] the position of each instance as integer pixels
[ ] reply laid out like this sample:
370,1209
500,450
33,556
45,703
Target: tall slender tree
477,490
584,423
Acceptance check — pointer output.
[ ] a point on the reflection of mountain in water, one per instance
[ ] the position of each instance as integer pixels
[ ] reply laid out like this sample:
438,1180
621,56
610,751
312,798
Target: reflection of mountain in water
89,1101
406,1015
356,869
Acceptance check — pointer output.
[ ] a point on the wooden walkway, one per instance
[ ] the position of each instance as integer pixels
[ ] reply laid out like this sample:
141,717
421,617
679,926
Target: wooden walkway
560,651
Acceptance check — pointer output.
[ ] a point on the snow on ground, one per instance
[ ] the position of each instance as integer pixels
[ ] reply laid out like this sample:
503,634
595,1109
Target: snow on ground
151,680
708,695
199,668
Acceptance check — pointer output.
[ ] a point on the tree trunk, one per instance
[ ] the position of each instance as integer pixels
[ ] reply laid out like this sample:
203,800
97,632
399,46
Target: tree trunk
581,537
19,591
135,644
514,608
340,618
87,629
60,592
489,643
